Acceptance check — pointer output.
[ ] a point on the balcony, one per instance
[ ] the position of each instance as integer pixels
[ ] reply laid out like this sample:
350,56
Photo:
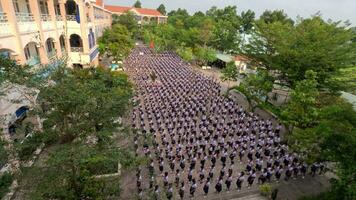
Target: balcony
76,49
5,28
46,17
3,17
24,17
59,17
71,18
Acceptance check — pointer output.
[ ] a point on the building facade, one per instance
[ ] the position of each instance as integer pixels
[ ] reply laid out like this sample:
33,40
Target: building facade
143,15
39,32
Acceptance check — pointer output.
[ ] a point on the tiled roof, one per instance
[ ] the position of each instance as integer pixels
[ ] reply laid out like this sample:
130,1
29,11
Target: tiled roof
147,11
118,9
142,11
241,58
99,3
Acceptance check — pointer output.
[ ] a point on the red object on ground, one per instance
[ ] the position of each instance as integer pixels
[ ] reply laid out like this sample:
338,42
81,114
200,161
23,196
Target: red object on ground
152,44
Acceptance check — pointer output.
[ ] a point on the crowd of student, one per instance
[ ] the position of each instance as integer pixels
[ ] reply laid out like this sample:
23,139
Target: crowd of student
203,142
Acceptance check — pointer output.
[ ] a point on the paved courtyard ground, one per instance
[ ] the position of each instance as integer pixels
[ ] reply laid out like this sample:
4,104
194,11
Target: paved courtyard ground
292,189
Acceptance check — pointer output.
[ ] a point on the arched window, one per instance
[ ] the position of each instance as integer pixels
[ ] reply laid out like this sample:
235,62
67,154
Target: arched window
62,43
51,51
76,43
31,54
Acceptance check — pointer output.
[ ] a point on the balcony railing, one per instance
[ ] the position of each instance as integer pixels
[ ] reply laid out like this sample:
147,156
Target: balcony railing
35,60
59,17
24,17
76,49
3,17
51,54
71,18
45,17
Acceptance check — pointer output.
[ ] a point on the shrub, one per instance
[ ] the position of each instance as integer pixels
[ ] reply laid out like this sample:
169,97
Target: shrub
30,144
3,154
265,189
5,182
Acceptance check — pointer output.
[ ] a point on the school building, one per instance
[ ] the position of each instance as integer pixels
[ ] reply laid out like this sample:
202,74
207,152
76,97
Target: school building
39,32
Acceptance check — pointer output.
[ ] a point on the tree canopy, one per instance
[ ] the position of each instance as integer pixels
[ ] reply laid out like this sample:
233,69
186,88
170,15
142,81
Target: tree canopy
137,4
269,17
310,44
162,9
117,41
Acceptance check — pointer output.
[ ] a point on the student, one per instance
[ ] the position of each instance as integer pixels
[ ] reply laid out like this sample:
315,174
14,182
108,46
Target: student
228,183
193,187
206,187
218,186
240,180
170,192
181,190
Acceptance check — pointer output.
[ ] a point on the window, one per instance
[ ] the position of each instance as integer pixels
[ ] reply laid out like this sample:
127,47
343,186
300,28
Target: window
16,6
50,45
44,7
27,52
28,6
57,9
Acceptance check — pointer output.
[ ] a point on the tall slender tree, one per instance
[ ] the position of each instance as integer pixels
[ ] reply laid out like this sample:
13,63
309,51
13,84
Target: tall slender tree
162,9
137,4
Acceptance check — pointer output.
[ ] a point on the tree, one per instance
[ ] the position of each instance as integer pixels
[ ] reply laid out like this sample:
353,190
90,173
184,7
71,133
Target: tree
301,110
276,16
332,139
230,73
162,9
185,53
205,55
178,15
206,31
137,4
84,103
226,31
128,20
117,41
257,86
247,19
311,44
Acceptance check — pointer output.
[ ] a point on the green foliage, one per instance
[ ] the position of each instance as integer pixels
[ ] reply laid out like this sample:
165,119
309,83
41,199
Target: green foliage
10,71
257,86
29,145
205,55
5,182
347,79
117,41
162,9
301,110
3,153
266,189
269,17
84,102
69,172
217,29
128,20
247,20
230,72
186,53
333,139
310,44
226,31
137,4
